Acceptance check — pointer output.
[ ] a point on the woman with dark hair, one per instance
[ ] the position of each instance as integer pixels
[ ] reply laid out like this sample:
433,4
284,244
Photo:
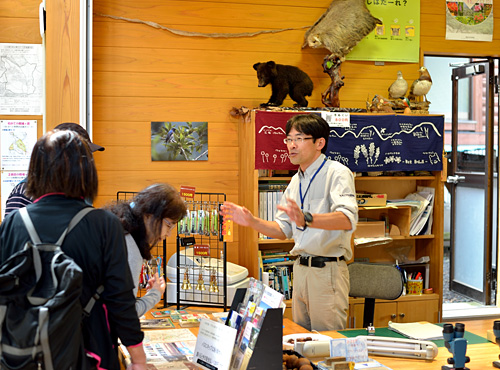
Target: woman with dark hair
147,219
62,175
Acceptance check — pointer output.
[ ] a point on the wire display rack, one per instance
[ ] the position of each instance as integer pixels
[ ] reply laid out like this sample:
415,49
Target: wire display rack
201,253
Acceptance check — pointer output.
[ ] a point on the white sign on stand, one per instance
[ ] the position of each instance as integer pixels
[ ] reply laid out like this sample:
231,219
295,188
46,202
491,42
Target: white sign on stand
212,351
337,119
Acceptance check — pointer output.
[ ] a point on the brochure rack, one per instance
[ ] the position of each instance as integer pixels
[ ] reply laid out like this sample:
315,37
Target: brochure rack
268,352
201,264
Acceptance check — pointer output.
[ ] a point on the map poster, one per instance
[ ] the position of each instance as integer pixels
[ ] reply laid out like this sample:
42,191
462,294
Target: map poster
17,141
389,143
9,180
21,79
469,20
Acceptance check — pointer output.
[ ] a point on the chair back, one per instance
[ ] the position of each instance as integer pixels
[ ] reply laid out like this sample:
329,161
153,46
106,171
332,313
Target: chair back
374,281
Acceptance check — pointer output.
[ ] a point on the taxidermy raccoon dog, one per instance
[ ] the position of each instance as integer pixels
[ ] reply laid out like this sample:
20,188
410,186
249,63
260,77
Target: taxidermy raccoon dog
341,27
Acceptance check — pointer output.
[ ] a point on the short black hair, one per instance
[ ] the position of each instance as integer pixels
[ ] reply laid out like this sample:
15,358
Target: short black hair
62,162
310,124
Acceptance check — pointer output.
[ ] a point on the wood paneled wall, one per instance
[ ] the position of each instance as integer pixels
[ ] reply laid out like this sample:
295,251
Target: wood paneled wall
143,74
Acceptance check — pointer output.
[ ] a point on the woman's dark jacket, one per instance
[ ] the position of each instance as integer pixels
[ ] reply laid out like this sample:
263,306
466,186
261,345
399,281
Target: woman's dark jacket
97,245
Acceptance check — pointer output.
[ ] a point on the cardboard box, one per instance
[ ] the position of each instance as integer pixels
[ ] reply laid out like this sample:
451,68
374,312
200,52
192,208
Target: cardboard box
371,200
370,229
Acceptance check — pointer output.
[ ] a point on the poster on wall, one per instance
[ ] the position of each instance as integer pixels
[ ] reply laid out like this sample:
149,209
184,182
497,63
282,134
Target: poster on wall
469,20
388,143
397,39
21,79
179,141
9,180
18,139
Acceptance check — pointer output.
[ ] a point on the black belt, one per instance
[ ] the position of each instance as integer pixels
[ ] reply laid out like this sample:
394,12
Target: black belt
316,261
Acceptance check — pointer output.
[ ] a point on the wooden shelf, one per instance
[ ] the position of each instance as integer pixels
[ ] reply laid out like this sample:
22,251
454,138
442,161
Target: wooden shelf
396,187
274,241
277,178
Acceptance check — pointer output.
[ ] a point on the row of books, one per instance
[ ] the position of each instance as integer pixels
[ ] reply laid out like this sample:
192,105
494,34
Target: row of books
275,257
270,195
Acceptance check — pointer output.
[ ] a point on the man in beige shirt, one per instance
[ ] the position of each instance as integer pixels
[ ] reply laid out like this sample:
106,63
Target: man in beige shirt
319,211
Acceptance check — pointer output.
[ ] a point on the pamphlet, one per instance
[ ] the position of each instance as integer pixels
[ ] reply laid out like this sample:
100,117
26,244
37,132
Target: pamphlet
157,323
167,349
416,330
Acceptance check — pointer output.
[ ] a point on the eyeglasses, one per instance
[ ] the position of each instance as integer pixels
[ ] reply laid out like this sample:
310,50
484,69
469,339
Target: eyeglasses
169,224
297,140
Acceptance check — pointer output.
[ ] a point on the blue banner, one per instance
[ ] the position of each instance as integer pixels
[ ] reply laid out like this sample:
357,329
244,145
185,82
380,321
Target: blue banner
389,143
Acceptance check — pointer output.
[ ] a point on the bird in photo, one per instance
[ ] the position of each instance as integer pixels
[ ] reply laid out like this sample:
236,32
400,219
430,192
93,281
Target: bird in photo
169,135
421,86
398,88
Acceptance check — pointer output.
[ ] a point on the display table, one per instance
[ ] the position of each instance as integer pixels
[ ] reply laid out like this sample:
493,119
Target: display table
481,355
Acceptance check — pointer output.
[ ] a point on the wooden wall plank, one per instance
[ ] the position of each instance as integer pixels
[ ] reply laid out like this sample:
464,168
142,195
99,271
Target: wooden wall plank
19,9
22,30
225,181
173,85
138,158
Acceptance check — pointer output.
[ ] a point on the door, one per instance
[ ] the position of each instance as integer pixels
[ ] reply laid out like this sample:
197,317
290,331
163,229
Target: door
472,182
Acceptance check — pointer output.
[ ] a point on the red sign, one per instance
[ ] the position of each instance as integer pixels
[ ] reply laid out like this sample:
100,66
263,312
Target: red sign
187,191
202,250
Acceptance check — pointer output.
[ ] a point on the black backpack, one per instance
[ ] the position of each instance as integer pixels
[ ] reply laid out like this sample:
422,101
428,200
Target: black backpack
40,309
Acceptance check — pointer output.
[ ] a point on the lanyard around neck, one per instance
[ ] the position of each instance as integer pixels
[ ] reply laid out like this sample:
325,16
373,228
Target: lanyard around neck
303,197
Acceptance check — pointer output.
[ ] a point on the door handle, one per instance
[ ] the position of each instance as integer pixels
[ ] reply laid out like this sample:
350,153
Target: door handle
455,179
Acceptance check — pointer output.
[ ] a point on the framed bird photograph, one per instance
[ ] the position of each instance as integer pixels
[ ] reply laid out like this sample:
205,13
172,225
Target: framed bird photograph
179,141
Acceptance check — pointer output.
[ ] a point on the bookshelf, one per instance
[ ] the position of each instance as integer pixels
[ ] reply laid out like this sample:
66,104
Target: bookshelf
395,187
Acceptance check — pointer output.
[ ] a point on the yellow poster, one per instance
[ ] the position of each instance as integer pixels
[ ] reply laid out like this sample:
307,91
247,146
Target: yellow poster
397,39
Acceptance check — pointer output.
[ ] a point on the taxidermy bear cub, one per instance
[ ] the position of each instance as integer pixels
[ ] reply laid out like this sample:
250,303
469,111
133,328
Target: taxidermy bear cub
284,80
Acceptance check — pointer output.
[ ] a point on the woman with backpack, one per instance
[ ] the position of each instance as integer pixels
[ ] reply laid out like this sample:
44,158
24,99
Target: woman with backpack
148,218
62,175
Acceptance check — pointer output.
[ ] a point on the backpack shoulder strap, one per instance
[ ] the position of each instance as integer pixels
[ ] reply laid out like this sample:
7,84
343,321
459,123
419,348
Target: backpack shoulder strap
34,235
74,221
92,300
29,225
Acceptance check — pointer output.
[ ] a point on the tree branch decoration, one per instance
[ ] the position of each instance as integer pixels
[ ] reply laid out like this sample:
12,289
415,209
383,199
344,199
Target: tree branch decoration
197,34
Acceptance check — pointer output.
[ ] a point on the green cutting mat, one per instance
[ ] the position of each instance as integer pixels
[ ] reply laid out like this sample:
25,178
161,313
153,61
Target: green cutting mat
385,332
